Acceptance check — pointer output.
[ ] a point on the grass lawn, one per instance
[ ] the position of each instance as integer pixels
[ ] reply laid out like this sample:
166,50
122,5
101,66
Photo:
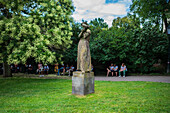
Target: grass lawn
54,95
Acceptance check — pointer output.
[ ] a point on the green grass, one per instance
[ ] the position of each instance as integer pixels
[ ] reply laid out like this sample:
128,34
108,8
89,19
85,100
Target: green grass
54,95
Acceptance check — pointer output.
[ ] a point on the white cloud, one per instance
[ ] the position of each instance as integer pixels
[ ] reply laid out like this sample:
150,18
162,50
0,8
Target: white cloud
87,4
109,20
90,9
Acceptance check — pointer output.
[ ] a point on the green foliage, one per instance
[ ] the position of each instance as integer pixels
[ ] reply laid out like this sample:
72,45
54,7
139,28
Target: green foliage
70,55
139,48
153,10
113,43
125,42
54,95
96,42
98,23
150,46
36,28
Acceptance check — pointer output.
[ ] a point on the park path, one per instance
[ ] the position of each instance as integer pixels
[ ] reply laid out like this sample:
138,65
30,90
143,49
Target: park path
165,79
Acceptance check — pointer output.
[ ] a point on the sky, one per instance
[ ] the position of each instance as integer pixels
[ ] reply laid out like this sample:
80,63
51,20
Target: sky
106,9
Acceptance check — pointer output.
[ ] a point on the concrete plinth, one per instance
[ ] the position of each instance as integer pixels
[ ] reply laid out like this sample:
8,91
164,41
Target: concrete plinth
82,83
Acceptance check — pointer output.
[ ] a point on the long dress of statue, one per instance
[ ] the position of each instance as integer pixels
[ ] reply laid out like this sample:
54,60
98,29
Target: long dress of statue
83,55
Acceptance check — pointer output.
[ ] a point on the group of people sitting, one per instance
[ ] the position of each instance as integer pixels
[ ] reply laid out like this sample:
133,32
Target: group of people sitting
42,69
63,69
114,69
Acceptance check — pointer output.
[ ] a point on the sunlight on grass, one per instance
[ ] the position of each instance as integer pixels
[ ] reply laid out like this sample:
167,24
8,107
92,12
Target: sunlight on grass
54,95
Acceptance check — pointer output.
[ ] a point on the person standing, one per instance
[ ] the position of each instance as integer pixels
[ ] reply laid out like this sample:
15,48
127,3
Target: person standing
56,69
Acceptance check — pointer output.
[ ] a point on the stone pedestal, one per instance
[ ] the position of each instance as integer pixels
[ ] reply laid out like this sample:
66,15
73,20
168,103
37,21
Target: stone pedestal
82,83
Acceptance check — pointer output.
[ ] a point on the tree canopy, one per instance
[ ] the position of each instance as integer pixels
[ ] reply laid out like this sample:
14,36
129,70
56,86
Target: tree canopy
153,10
126,41
35,28
44,30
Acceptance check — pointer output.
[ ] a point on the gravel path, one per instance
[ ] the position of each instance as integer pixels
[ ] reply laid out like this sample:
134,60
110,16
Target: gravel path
165,79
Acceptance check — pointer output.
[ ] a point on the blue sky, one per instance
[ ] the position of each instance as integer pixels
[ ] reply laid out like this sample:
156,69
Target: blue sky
106,9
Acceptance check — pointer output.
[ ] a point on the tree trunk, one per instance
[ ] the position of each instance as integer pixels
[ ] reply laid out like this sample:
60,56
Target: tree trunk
6,70
165,22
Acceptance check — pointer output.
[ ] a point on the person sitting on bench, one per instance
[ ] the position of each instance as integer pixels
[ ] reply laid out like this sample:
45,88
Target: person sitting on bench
46,69
71,70
62,69
122,69
115,69
110,69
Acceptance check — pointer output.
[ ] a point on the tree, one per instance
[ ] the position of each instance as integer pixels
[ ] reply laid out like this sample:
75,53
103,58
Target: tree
139,48
70,55
154,10
128,22
36,28
98,22
97,26
126,41
150,46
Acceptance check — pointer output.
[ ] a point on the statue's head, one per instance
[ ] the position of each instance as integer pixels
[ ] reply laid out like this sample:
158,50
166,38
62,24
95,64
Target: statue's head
84,24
